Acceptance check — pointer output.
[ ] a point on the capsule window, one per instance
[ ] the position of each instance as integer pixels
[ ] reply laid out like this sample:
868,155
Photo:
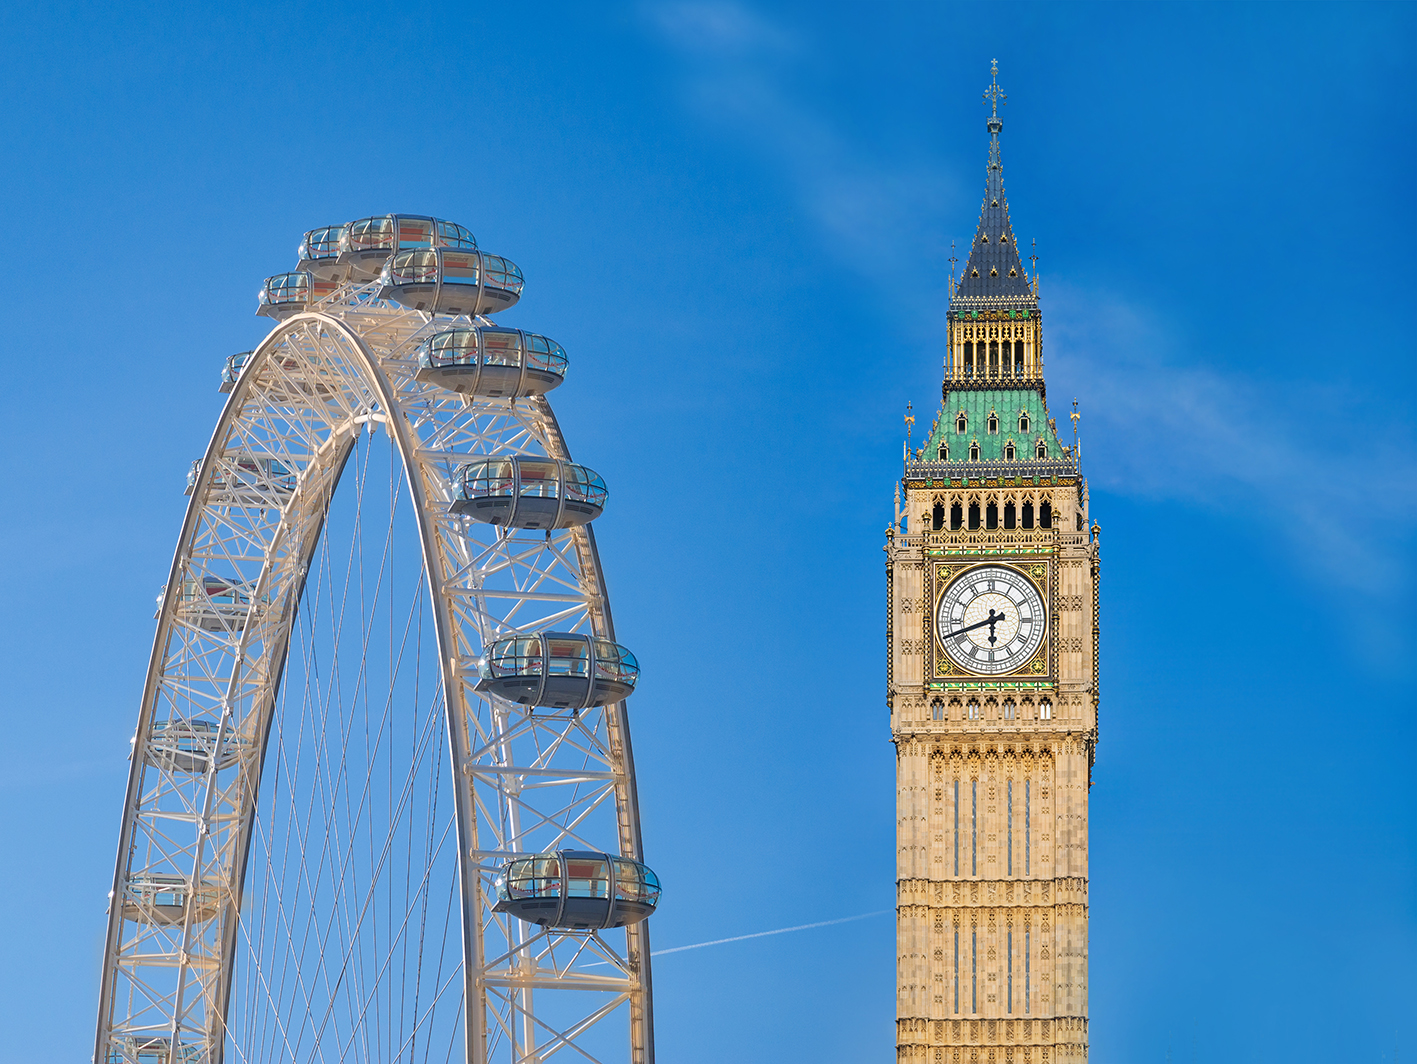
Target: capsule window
501,347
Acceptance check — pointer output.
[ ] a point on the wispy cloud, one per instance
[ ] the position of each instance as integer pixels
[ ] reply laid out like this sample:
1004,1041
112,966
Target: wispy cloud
1159,424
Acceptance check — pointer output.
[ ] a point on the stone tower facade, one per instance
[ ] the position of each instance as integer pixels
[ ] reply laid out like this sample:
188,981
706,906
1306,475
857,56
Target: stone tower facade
992,683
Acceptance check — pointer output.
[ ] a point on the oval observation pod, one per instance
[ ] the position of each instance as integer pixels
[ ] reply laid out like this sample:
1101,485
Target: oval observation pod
529,492
319,253
487,360
152,1049
444,281
578,890
290,293
214,604
558,670
232,369
366,244
164,900
190,745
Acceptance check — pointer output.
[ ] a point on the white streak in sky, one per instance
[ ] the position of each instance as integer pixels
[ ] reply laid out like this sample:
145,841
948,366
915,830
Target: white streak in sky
761,934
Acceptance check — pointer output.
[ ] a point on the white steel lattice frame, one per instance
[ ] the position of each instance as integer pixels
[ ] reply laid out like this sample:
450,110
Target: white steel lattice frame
526,780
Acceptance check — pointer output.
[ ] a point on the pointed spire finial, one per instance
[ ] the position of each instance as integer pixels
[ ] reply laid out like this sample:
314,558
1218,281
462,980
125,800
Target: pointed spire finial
993,97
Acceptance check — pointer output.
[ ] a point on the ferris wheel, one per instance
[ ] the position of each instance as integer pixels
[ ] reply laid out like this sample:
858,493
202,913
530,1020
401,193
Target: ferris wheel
382,800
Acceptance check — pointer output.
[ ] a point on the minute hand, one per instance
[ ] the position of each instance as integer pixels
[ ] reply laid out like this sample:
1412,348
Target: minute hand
992,619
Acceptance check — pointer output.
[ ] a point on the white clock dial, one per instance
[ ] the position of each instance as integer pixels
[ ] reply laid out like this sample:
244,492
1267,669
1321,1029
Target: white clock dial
991,620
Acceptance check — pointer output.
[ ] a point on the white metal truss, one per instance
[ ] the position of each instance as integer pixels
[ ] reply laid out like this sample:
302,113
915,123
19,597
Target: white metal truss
526,780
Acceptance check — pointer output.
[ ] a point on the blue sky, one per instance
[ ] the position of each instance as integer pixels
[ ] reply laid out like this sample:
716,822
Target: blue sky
737,219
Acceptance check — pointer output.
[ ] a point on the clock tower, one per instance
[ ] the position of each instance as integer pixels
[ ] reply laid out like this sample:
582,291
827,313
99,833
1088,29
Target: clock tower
992,684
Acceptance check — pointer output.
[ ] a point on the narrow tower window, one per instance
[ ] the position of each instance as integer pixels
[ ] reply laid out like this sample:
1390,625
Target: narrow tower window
993,424
1011,972
974,506
1010,512
1009,715
1023,421
1008,712
1079,517
991,515
1009,454
956,969
974,452
1018,358
1045,515
956,865
944,452
1028,514
937,711
961,424
968,360
973,710
973,971
1041,451
974,824
1026,988
1027,838
993,358
956,516
937,516
1045,710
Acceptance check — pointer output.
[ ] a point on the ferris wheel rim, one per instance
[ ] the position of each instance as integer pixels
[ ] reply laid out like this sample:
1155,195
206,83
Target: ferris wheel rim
393,416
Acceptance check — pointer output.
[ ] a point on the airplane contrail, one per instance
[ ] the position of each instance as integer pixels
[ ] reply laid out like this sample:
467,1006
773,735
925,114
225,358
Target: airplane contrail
760,934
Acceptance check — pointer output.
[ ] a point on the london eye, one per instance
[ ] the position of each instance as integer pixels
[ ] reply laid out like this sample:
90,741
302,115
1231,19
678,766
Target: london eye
382,801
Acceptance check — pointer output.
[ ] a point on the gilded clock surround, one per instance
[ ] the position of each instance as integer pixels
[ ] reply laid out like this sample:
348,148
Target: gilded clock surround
993,770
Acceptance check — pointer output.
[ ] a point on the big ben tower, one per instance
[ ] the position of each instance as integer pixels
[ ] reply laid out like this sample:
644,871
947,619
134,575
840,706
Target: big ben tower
991,676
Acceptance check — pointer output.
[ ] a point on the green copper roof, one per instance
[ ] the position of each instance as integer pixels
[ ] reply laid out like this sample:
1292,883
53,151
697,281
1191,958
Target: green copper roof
1006,405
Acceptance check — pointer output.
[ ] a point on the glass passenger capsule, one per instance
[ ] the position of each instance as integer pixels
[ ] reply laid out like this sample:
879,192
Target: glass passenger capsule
578,890
256,480
152,1049
163,900
445,281
559,670
189,745
290,293
529,492
214,603
232,370
319,253
366,244
492,361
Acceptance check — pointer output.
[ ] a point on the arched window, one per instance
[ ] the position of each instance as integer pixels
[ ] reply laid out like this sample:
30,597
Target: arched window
937,517
1009,514
993,424
1045,515
1018,358
973,516
1023,421
1009,451
1041,451
994,358
1079,516
937,711
956,517
991,515
974,451
973,710
944,452
968,360
1028,514
1045,710
961,423
1009,709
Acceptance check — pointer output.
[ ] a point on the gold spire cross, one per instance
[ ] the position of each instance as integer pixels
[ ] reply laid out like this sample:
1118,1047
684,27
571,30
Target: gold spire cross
992,95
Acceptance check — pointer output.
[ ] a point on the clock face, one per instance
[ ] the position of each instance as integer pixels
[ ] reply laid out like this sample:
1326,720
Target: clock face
991,620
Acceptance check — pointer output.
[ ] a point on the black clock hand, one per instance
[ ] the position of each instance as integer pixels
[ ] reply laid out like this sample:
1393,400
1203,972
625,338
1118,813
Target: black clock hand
991,620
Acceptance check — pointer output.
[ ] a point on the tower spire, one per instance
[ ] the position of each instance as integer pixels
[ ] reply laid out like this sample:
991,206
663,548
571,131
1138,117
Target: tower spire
994,268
